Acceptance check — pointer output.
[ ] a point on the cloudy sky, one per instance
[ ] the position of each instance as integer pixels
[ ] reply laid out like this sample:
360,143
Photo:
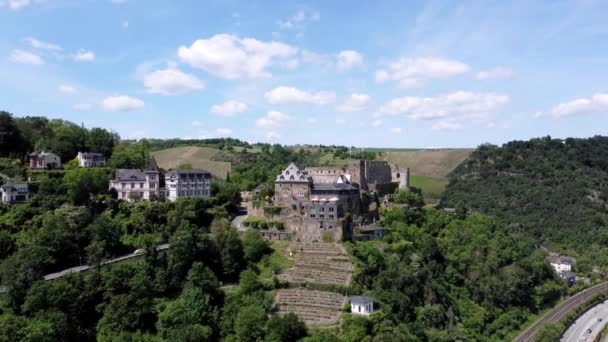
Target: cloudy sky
365,73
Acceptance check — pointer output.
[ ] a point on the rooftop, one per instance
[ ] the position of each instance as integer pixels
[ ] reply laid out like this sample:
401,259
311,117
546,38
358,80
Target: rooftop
361,300
292,174
188,171
130,174
333,186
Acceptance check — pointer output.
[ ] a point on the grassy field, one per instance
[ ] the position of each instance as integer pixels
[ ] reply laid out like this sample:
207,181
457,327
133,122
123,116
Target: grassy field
275,262
430,163
432,187
198,157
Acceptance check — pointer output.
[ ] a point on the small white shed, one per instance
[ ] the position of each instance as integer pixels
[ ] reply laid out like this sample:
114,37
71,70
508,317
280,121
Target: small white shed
361,305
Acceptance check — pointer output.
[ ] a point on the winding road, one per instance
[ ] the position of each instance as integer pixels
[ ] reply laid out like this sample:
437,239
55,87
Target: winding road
588,325
561,311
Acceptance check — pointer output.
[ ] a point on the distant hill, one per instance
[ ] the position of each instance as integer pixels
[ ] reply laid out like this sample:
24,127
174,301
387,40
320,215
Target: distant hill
555,191
429,163
198,157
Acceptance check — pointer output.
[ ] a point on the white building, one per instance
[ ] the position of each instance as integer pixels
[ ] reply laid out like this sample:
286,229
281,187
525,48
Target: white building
361,305
14,193
132,184
44,160
187,184
561,263
91,159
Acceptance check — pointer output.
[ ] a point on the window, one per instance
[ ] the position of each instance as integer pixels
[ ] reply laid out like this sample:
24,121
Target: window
141,185
123,185
331,209
322,209
331,216
132,185
300,193
285,193
321,216
312,215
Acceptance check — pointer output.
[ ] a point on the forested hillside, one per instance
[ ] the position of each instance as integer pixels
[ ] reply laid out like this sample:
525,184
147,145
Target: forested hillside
435,276
555,191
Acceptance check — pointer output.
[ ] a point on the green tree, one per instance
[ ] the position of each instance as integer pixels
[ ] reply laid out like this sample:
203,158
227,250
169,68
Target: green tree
249,324
195,314
81,184
255,246
101,141
11,139
285,328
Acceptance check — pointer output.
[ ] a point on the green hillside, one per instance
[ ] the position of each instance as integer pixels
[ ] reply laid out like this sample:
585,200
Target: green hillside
430,163
198,157
555,191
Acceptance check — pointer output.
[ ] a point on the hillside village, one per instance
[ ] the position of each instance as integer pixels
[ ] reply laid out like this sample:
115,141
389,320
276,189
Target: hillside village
315,208
320,239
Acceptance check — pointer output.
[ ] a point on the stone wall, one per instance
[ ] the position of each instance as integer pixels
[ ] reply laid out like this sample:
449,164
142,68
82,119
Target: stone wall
400,176
325,174
287,194
384,188
377,171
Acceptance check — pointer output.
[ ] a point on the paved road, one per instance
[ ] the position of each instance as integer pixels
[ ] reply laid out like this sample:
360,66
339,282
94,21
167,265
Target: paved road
562,310
590,320
84,268
238,220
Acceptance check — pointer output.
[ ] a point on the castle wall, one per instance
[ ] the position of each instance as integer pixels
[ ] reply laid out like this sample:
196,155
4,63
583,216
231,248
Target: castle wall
325,174
377,171
401,176
288,194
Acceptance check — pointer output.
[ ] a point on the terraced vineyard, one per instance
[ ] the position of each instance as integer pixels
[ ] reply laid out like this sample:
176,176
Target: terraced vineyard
313,307
317,263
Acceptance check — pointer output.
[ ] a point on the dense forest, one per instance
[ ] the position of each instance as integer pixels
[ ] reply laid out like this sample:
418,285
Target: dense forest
550,190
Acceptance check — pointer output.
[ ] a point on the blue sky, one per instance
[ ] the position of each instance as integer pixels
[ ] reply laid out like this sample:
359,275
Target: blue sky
363,73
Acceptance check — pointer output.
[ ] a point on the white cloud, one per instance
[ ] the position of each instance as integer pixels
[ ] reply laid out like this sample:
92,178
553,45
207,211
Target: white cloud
24,57
311,121
17,4
396,130
229,108
273,119
230,57
495,73
595,104
196,123
84,56
412,72
355,103
38,44
125,24
118,1
446,125
349,59
272,136
122,103
459,103
223,132
285,94
66,89
171,82
377,123
82,106
298,19
340,121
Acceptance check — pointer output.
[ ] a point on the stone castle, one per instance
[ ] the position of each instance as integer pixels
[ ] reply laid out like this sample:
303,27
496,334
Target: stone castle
318,201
